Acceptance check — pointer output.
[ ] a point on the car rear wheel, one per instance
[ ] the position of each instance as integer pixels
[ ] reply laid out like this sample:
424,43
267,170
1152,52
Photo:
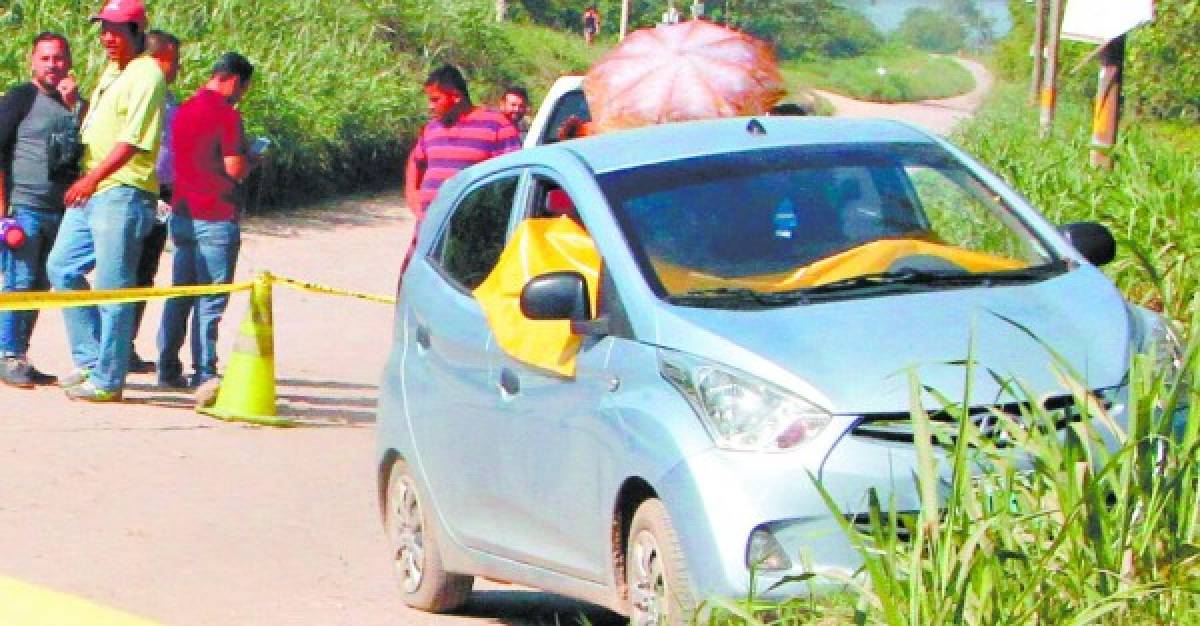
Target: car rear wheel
660,588
416,559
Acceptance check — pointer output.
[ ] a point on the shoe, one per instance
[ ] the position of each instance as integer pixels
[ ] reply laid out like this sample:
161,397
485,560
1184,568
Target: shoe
173,382
206,392
87,391
138,366
41,378
76,377
14,372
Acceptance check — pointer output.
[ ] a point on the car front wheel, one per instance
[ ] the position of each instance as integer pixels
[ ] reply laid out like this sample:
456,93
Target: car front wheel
660,588
416,559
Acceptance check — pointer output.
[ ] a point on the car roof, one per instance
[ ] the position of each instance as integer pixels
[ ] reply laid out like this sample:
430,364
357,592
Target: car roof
680,140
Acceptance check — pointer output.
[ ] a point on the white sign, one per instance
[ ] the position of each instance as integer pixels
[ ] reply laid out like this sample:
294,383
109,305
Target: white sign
1101,21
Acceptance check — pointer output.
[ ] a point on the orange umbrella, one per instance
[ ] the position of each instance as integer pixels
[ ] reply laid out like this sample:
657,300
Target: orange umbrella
688,71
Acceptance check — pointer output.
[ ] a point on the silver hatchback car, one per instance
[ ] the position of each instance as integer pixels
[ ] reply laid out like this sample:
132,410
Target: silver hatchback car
741,304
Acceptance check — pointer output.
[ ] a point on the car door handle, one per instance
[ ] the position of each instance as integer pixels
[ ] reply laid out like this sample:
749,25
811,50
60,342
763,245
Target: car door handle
423,339
509,385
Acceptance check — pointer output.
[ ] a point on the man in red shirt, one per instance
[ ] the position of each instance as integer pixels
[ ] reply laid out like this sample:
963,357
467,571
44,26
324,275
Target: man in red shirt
210,160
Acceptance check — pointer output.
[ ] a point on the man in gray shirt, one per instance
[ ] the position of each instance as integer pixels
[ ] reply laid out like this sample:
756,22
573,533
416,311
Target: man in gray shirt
37,127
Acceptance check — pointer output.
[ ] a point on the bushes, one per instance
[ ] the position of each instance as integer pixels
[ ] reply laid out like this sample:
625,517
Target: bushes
931,30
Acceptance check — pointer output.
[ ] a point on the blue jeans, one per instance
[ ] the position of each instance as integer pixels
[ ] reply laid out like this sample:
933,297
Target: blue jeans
25,270
205,254
105,235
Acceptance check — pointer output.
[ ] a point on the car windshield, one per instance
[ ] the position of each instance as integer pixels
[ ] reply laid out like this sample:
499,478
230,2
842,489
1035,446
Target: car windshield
804,223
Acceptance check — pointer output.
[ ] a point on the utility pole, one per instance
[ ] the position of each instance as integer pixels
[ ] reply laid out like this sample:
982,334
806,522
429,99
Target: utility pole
1107,113
1038,51
624,18
1050,80
501,10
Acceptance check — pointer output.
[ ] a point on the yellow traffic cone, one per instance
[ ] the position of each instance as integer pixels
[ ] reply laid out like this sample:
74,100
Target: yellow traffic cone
247,391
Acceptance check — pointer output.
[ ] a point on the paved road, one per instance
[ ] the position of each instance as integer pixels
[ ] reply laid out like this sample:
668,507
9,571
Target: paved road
152,509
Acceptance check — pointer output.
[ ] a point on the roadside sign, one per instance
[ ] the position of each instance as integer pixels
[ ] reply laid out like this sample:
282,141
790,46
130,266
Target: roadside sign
1101,21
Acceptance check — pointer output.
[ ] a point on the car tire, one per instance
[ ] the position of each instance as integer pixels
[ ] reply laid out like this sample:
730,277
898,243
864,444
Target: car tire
660,587
417,562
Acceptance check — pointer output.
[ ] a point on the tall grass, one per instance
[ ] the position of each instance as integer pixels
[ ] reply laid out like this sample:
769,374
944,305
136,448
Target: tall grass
1056,527
1149,200
908,75
337,85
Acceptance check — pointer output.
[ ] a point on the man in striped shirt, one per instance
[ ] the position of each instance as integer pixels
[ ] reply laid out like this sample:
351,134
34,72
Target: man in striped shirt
459,135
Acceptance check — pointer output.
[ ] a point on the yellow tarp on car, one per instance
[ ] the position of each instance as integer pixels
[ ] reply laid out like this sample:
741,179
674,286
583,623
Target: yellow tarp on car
876,256
539,246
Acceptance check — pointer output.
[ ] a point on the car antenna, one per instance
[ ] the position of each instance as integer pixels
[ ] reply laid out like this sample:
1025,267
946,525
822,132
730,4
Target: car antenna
755,127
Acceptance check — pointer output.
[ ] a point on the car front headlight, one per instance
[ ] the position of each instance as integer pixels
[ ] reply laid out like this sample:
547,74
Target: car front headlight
740,411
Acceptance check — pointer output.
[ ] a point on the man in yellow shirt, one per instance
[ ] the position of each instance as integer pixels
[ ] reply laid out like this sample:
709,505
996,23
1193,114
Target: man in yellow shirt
111,208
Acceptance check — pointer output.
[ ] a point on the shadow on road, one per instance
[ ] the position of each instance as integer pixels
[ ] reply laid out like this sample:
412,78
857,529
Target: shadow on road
537,608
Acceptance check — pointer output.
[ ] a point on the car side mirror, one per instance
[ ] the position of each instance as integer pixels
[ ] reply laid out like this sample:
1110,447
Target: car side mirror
557,296
1094,241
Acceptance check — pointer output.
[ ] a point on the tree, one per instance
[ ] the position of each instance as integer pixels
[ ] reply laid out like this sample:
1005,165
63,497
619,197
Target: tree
935,31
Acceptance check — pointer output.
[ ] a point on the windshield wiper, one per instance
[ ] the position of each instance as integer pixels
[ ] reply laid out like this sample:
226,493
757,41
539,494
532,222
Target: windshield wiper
927,278
725,296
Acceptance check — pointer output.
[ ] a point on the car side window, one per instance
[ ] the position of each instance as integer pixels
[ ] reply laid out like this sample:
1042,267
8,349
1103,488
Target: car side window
571,109
476,232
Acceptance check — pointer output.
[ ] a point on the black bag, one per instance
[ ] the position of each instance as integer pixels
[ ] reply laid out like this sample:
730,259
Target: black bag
64,148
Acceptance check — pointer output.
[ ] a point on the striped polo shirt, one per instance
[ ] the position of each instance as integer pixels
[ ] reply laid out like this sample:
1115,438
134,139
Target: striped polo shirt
444,150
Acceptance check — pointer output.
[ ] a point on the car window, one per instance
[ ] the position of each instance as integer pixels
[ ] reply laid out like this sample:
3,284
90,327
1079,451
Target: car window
570,109
476,232
780,219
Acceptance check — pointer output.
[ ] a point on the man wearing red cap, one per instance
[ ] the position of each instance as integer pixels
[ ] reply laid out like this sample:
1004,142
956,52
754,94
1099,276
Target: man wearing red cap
111,207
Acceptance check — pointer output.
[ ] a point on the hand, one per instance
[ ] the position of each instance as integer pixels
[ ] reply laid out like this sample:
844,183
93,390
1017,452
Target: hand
68,89
79,193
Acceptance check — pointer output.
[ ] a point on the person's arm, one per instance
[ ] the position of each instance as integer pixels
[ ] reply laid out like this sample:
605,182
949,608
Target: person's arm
83,189
3,196
413,174
234,149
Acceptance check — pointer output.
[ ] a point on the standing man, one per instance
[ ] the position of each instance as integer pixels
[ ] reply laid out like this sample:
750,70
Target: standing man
32,184
591,23
515,106
164,48
210,161
111,208
459,135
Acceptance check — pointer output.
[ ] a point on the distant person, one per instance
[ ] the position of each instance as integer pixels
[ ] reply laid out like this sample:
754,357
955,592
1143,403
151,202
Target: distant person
111,207
459,135
211,159
591,24
32,183
514,104
164,48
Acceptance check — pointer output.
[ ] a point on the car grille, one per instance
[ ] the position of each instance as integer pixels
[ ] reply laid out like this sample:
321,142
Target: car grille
898,426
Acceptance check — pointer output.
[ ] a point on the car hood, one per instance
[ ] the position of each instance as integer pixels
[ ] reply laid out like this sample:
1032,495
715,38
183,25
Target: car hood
855,356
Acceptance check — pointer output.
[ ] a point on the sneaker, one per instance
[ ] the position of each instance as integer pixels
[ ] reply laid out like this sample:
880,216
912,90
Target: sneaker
206,393
138,366
14,372
173,382
76,377
41,378
87,391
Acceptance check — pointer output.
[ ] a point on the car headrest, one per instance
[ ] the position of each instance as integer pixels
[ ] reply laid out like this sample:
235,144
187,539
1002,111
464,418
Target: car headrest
559,203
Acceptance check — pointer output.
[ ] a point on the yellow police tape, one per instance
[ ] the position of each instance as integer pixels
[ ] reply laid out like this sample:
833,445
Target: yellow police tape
40,300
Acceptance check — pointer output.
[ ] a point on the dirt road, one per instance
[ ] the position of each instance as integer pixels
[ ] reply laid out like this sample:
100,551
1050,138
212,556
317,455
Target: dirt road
150,508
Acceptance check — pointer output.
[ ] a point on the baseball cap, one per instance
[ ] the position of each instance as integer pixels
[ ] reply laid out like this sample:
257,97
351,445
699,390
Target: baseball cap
123,11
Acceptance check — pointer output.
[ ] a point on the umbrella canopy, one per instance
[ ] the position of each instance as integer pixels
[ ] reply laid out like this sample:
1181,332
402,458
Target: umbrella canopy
688,71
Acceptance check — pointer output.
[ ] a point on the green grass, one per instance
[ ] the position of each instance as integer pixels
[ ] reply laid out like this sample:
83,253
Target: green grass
1149,200
910,75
